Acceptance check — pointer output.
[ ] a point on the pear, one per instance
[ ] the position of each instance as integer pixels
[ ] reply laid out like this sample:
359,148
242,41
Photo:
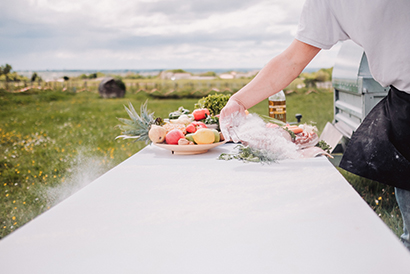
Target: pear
204,136
157,134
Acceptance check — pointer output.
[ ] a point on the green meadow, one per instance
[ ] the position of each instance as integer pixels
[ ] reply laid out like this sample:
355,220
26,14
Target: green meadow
53,142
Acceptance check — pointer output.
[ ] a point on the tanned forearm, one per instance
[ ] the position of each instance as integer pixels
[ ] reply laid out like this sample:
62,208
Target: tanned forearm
277,74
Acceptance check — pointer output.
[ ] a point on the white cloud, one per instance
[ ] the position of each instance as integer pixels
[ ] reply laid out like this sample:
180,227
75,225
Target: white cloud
123,34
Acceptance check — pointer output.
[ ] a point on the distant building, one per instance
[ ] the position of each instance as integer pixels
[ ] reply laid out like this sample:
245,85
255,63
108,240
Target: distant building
237,75
174,76
169,75
202,77
230,75
246,74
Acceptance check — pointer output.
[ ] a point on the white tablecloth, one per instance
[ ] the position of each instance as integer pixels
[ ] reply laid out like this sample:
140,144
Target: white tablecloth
163,213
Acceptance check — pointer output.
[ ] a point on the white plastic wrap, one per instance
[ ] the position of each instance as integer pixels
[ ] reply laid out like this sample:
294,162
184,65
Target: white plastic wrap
252,132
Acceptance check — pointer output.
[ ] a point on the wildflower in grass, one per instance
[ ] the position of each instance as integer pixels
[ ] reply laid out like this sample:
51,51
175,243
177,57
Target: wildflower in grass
380,198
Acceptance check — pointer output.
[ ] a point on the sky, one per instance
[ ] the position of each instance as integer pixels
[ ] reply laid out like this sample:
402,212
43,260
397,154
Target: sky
148,34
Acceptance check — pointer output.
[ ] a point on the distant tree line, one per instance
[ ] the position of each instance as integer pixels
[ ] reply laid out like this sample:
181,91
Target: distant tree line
7,75
322,75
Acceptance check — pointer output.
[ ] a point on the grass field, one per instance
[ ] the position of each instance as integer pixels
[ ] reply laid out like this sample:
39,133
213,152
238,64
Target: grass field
53,143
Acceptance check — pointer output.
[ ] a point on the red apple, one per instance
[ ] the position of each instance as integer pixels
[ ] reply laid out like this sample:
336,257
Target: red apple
200,113
173,136
194,126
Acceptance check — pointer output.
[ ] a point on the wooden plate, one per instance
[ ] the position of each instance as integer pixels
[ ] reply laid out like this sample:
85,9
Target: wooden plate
189,149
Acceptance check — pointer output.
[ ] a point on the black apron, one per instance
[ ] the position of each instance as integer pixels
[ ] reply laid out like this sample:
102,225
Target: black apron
380,148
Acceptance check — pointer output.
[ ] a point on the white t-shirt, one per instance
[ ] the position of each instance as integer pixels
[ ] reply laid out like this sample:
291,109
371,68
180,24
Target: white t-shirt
380,27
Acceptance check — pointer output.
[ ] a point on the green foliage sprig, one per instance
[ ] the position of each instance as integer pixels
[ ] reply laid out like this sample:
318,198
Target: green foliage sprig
213,102
248,154
323,145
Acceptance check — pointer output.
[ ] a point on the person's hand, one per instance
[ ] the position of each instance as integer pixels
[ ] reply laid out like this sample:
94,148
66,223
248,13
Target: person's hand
230,118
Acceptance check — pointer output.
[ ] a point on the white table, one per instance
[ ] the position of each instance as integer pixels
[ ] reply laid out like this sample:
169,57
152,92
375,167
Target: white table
163,213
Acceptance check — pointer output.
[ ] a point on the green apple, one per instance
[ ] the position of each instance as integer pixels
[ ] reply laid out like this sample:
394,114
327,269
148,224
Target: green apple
217,136
190,137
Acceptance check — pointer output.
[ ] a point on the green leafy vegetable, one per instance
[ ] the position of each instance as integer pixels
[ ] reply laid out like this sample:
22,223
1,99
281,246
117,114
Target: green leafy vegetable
213,102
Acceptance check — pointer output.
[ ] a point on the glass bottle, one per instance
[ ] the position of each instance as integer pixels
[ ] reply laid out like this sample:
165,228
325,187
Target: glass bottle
277,106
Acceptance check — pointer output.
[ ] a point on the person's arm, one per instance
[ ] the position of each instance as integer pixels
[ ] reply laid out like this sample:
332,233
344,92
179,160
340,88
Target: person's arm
274,77
277,74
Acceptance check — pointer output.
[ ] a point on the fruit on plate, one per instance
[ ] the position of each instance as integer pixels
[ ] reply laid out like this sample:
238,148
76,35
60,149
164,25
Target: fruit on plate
217,136
183,119
184,141
190,137
204,136
173,136
200,113
157,134
194,126
138,126
170,126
